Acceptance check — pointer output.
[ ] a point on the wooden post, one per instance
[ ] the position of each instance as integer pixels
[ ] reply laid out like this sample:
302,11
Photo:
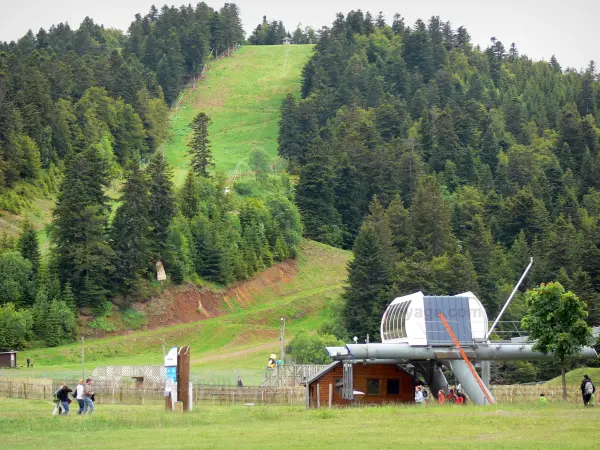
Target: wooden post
168,402
330,394
183,377
307,397
318,396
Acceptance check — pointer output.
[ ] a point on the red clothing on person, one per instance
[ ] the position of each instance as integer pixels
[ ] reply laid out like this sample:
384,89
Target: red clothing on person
441,398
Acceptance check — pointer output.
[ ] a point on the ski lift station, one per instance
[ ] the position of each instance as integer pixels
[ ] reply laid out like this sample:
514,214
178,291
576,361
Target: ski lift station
419,342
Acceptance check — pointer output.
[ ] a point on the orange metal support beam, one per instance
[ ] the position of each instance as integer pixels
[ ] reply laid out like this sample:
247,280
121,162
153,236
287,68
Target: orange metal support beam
466,359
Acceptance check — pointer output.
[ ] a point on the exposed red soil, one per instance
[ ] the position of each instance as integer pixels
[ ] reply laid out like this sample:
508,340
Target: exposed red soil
188,303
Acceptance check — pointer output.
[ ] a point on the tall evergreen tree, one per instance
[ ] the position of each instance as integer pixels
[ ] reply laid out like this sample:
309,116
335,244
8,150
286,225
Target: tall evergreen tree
367,293
130,231
162,205
199,146
29,246
431,215
189,196
84,256
316,197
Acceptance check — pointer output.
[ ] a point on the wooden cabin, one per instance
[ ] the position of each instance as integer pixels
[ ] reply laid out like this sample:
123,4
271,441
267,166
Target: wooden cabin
8,359
380,383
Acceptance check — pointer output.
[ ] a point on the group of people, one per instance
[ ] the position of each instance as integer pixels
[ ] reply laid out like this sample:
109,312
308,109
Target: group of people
588,391
83,394
454,396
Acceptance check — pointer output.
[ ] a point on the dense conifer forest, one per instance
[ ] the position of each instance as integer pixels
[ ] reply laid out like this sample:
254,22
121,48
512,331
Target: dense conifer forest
83,114
273,33
445,165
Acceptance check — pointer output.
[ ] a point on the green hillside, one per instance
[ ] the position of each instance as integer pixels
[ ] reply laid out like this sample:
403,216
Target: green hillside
242,94
240,340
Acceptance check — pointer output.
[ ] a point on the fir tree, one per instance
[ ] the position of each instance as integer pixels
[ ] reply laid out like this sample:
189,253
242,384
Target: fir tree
69,298
28,245
189,196
316,197
367,293
83,253
130,231
431,216
199,146
162,205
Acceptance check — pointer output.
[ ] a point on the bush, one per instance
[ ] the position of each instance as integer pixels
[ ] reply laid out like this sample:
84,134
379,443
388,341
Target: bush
245,188
134,319
104,309
310,348
101,324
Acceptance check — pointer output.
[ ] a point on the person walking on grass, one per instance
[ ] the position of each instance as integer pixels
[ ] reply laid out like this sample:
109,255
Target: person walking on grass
587,390
62,395
88,395
79,395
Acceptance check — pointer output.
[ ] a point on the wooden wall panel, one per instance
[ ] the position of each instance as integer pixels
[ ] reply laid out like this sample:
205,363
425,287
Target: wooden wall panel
362,373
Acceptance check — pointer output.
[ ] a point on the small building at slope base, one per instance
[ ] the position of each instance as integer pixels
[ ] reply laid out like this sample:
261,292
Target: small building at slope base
8,359
372,384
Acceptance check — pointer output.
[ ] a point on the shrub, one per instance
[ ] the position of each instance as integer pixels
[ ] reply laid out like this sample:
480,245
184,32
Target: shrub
100,323
134,319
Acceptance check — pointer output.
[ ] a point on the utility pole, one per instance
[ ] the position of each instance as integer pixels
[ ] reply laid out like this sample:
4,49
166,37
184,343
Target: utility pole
82,357
282,338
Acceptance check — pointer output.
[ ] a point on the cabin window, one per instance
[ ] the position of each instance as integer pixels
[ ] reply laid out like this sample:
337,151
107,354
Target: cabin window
373,386
339,384
393,387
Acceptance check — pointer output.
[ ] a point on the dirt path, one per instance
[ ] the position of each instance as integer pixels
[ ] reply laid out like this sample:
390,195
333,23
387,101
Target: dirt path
238,353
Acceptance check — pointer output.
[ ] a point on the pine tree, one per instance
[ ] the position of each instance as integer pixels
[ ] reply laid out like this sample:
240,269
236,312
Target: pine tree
316,197
367,294
199,146
162,205
130,231
377,216
189,196
447,144
84,256
431,215
69,298
398,219
28,245
290,145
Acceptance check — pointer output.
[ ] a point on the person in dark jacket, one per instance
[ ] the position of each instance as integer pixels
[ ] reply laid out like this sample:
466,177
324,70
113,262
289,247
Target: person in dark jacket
587,389
63,398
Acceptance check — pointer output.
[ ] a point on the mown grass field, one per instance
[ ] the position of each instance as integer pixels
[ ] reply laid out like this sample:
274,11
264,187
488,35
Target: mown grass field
242,339
242,94
27,424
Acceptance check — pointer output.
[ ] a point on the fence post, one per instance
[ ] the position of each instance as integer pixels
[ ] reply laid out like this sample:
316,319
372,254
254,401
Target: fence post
318,396
307,397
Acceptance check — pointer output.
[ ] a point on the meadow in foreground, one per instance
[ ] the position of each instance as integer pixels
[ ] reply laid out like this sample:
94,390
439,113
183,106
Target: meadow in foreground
28,424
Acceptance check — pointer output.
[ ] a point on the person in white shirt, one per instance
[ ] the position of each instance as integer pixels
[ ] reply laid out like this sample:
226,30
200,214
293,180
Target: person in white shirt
79,395
418,396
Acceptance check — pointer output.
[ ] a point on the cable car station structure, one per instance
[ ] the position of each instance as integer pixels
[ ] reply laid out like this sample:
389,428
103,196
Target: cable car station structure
431,333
